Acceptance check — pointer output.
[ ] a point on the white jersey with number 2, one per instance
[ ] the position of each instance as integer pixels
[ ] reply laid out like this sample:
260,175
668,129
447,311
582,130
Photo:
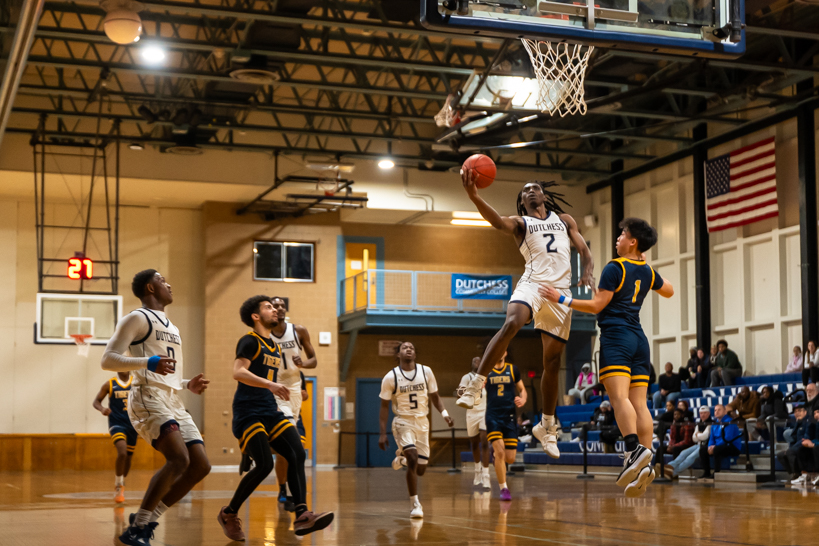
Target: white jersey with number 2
547,249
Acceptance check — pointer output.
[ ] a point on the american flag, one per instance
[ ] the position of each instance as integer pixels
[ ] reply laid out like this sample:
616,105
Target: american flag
741,186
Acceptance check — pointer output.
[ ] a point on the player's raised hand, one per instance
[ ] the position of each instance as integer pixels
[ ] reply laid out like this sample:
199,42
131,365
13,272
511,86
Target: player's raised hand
382,442
106,412
279,390
198,384
548,292
468,178
519,402
166,365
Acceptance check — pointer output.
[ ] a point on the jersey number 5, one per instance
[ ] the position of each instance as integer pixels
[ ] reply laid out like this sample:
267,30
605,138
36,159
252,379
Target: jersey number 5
636,291
413,398
549,243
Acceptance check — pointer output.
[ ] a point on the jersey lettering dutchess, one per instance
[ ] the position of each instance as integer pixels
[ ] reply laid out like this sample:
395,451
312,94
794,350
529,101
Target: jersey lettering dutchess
631,281
161,339
546,247
409,391
501,390
289,374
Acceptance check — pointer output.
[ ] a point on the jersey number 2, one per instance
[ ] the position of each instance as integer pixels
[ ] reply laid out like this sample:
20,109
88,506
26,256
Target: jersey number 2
413,398
636,291
500,390
549,243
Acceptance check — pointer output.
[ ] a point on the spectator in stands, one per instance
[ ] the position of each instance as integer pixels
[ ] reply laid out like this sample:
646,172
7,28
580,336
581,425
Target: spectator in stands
771,403
724,441
811,390
810,364
670,387
689,456
584,384
683,406
712,359
744,406
693,369
808,451
789,457
703,370
665,419
726,367
682,430
603,420
795,363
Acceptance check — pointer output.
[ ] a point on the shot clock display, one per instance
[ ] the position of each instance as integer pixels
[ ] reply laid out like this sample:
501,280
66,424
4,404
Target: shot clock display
80,268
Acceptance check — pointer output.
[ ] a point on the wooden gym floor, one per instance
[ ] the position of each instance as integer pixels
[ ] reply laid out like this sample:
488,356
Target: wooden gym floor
74,508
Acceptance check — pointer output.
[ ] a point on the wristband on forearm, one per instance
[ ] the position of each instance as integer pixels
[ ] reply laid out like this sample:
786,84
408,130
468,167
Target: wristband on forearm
565,300
445,414
185,383
153,362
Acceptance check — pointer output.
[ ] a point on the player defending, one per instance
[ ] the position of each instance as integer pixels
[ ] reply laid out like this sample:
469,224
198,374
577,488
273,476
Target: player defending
504,394
292,339
476,430
411,387
119,426
624,350
544,234
154,406
258,423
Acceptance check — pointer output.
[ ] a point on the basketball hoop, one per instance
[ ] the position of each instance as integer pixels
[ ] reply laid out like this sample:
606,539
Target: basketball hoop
560,69
446,117
82,342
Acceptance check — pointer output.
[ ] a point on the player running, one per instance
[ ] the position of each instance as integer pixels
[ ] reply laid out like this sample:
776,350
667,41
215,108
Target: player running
476,430
544,234
504,394
259,425
154,406
624,350
410,387
119,426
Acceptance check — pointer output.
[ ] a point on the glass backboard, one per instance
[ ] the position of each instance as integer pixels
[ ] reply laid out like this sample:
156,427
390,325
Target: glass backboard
59,316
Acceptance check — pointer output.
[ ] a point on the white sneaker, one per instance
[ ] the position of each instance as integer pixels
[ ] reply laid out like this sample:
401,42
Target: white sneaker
477,480
816,480
472,394
638,487
417,510
800,480
633,465
400,461
485,483
547,438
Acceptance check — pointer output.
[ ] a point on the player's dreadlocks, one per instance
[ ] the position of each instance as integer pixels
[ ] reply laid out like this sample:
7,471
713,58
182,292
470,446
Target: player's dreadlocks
553,199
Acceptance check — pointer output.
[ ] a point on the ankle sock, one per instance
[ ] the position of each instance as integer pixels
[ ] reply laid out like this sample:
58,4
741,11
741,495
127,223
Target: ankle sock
119,481
548,420
143,517
632,442
158,511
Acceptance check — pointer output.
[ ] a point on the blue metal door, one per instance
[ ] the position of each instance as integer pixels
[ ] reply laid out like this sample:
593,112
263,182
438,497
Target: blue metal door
367,407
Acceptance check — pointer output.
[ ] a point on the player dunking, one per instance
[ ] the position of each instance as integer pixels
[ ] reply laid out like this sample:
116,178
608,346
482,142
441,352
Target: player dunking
544,234
292,339
259,425
410,387
119,426
154,406
504,394
476,430
624,350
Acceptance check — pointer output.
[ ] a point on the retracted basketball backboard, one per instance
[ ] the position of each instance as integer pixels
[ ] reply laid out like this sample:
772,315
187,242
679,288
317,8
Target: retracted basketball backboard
63,317
706,28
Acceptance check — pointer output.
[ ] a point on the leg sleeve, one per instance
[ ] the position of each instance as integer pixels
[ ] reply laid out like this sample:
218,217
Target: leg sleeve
288,445
259,451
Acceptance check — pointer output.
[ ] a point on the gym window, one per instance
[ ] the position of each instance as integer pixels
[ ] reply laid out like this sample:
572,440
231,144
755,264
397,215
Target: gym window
280,261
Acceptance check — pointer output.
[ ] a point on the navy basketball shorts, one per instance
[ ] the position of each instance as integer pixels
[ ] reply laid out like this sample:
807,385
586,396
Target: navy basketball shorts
625,352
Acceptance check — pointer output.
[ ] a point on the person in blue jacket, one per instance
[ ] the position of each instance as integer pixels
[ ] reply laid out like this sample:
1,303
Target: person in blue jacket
789,459
725,441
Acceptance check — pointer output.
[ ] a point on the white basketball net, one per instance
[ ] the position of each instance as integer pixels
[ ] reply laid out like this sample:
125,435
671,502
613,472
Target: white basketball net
445,117
560,69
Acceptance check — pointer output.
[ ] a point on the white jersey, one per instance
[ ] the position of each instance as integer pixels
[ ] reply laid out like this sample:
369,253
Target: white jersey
161,338
409,391
547,250
289,374
481,406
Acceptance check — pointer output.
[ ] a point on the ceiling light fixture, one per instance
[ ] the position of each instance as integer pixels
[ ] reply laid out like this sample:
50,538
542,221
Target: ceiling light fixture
153,54
386,163
122,24
466,215
136,146
472,223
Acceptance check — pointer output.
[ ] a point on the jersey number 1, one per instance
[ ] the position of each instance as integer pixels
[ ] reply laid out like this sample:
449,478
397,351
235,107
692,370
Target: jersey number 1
272,373
636,291
549,243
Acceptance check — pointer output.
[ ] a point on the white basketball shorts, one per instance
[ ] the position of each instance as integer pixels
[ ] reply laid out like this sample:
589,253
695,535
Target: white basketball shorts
150,407
475,422
412,432
553,319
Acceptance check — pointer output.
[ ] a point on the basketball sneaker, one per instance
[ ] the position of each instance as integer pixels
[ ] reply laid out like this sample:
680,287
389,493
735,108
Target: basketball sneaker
309,522
417,510
638,487
472,393
282,494
634,462
485,479
399,462
231,525
547,436
476,481
801,480
138,536
119,494
505,494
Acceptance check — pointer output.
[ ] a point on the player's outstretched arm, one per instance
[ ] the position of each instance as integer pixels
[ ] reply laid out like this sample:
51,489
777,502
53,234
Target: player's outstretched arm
97,403
586,259
131,328
599,301
512,225
520,399
304,337
666,290
242,374
383,416
439,405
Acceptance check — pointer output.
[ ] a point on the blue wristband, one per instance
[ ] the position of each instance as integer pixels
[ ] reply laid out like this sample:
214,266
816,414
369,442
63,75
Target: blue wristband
153,362
565,300
561,299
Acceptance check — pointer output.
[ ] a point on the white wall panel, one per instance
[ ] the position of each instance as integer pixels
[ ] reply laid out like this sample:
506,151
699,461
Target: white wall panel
792,274
765,355
689,293
667,222
761,277
668,309
666,351
730,289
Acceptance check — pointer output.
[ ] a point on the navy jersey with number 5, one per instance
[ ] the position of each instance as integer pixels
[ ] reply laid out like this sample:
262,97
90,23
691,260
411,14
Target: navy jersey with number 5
501,391
631,281
265,360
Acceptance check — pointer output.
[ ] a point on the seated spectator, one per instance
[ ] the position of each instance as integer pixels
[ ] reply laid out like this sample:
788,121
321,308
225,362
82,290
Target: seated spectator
725,441
744,406
670,387
811,390
810,365
789,457
688,457
603,420
584,384
667,417
682,430
703,370
726,366
771,404
683,406
795,363
809,450
692,367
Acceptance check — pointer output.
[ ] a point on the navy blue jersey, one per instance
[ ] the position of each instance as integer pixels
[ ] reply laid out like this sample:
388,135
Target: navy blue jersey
265,360
501,391
630,280
118,402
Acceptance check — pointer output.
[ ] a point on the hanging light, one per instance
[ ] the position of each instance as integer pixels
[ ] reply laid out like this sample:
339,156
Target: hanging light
386,163
122,24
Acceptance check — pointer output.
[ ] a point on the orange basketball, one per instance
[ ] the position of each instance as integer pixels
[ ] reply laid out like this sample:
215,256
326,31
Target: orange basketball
484,167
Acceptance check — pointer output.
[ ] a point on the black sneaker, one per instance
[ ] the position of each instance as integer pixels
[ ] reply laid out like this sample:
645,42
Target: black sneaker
633,464
289,505
138,536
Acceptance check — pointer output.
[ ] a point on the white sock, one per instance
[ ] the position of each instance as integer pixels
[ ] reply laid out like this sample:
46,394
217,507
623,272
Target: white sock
548,420
414,499
120,480
503,486
158,511
478,468
143,517
486,470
